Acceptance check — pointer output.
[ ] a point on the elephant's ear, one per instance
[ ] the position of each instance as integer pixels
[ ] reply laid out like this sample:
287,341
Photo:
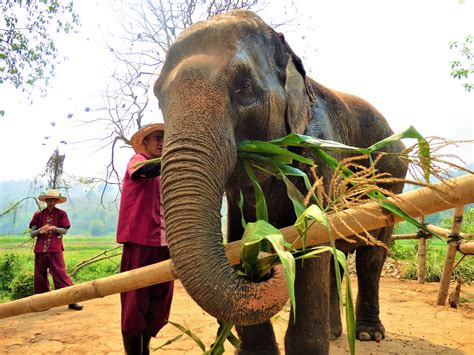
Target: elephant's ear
298,92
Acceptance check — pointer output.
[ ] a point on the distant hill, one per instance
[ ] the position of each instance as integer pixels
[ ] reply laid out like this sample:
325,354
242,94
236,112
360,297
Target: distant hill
84,208
87,215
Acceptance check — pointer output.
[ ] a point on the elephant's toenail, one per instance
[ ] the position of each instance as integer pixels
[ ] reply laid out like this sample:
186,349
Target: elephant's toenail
364,336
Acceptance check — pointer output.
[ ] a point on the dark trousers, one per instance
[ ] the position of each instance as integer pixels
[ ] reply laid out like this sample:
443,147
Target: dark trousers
146,309
55,263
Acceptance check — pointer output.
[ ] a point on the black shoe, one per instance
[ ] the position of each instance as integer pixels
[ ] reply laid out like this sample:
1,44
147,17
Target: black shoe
75,306
133,344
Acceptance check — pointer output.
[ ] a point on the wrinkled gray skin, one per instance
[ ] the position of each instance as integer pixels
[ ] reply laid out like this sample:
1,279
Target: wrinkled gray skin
229,79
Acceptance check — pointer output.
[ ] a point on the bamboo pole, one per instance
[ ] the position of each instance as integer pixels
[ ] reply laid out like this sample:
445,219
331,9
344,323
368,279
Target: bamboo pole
450,255
367,217
439,231
466,248
442,232
408,236
421,254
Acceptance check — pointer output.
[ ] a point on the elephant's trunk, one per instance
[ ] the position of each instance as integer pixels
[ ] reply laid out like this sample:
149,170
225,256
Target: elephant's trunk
195,167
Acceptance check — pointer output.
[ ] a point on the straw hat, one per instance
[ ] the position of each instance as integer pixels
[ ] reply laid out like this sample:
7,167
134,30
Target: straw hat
52,193
137,138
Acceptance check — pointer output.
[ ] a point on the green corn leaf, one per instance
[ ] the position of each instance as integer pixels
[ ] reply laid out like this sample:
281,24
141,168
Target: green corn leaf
294,195
260,202
171,341
189,334
425,158
223,332
269,161
341,260
384,203
399,212
349,303
269,149
312,212
155,160
292,171
231,338
241,208
319,216
259,231
250,246
410,132
311,252
301,140
288,263
265,264
423,147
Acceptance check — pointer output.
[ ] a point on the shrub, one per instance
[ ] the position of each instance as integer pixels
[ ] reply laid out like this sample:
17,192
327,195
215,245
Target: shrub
22,285
9,264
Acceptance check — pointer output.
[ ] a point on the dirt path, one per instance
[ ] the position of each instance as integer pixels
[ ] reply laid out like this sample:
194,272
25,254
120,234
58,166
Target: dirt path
414,326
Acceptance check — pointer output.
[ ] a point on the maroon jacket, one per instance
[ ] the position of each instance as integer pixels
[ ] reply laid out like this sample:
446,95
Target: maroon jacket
49,242
140,218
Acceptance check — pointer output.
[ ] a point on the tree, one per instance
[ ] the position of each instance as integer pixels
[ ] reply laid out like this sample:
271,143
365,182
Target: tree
463,66
149,28
28,53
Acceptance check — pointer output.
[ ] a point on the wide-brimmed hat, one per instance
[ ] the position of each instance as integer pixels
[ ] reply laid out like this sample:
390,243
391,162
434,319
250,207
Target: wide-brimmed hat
137,138
50,194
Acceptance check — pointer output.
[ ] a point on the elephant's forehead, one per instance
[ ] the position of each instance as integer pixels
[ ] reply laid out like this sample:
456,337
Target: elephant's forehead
196,61
224,24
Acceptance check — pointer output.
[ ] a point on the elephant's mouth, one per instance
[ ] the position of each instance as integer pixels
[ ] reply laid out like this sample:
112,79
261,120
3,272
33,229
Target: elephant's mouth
239,178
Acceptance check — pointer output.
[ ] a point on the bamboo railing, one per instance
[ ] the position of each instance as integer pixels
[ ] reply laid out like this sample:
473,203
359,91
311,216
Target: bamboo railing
370,216
455,243
464,246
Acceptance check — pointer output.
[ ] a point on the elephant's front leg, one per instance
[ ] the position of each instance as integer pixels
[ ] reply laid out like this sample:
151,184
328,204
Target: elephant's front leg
369,263
257,339
310,333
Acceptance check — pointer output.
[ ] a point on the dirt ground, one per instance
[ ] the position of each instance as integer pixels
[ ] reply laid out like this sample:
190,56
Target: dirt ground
414,326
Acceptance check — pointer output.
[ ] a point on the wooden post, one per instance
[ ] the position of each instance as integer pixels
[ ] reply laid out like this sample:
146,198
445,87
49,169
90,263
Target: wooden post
345,223
450,255
421,253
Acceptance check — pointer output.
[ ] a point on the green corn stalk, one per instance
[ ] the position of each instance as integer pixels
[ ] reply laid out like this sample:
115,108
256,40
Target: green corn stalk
274,158
276,161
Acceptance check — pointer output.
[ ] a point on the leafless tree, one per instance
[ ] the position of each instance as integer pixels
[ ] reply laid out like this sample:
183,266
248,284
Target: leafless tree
148,29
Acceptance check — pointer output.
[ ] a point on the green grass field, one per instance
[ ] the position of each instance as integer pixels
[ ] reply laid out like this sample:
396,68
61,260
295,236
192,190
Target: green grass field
407,250
17,262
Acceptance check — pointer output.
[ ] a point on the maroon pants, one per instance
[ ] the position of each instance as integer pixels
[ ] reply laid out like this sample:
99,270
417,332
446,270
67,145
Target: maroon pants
55,263
146,309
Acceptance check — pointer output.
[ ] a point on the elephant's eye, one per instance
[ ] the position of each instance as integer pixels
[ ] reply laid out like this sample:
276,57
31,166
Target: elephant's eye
243,92
244,87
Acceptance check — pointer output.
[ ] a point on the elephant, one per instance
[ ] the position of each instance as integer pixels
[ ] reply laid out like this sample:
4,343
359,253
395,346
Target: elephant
233,78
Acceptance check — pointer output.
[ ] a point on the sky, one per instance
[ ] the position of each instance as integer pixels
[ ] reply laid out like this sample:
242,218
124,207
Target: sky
394,54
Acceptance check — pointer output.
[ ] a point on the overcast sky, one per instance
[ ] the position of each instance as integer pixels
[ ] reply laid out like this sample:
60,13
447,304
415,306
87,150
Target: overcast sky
395,54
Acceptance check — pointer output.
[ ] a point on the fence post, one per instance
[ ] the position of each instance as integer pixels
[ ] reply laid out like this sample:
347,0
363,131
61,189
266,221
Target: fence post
421,253
453,243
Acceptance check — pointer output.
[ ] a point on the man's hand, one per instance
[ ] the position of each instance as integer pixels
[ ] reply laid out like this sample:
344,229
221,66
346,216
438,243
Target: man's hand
45,229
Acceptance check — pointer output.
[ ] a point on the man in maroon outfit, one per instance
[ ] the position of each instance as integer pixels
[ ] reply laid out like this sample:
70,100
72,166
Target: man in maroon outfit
141,231
48,227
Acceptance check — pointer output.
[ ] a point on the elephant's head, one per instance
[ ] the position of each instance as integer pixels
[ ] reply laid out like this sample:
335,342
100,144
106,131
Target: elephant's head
224,80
